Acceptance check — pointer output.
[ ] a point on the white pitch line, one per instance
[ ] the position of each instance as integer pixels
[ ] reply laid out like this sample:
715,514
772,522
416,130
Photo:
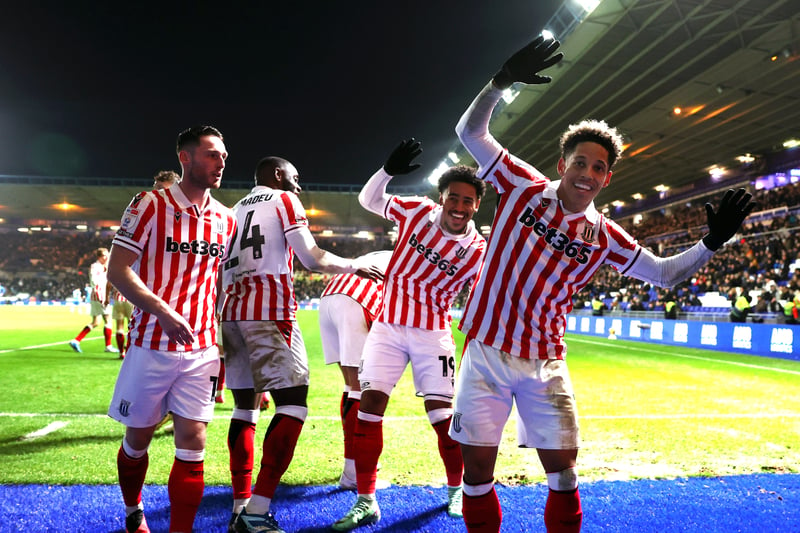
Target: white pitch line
697,357
49,428
36,347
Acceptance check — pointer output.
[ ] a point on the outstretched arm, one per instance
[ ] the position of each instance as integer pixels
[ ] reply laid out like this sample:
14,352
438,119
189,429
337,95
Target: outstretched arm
722,225
523,66
373,196
316,259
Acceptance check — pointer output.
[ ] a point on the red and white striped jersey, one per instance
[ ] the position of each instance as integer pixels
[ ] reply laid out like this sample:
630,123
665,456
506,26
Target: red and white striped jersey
115,296
258,279
181,248
538,257
368,293
429,266
98,282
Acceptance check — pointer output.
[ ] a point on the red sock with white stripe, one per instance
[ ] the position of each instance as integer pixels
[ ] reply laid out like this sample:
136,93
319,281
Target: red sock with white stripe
368,440
278,449
185,488
131,472
241,448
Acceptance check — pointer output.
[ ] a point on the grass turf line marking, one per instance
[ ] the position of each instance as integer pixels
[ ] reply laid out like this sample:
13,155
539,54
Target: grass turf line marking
49,428
697,357
22,348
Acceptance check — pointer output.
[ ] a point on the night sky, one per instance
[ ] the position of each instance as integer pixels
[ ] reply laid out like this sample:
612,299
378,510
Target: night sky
100,90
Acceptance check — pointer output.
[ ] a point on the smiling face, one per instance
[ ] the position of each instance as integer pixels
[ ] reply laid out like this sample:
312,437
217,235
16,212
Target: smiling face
584,173
460,202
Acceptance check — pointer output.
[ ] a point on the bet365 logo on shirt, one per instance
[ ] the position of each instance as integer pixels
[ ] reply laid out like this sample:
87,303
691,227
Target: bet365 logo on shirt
428,253
556,239
195,247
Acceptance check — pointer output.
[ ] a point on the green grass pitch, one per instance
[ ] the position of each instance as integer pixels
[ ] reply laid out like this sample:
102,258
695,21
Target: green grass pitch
646,410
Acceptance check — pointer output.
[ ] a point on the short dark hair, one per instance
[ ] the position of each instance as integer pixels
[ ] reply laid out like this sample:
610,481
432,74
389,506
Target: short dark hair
265,169
463,174
166,176
190,137
596,131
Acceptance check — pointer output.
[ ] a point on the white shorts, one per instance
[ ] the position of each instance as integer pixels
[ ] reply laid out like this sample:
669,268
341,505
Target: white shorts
389,348
343,329
490,380
152,383
264,355
122,311
98,309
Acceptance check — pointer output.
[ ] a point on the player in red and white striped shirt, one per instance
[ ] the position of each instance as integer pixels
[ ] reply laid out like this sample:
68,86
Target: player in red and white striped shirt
264,348
347,308
165,259
98,301
547,241
438,251
122,313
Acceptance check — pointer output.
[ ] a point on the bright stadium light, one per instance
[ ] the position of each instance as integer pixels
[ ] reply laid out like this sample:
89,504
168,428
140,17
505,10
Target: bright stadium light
452,156
547,34
433,179
588,5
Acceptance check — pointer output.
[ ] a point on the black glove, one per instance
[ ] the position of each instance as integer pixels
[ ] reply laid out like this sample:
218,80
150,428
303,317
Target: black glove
400,159
722,225
524,65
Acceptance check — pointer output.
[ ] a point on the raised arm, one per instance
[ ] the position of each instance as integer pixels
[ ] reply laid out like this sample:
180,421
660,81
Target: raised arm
524,66
373,196
722,226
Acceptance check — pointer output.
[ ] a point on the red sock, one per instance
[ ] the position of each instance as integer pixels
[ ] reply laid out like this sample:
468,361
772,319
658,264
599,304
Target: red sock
368,447
279,443
221,376
120,341
185,488
342,402
131,474
450,451
85,331
349,420
482,514
107,335
562,512
241,437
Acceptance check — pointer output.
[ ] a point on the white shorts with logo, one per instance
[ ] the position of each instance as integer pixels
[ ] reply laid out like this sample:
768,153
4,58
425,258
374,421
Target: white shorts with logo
490,381
343,329
152,383
259,356
389,349
122,311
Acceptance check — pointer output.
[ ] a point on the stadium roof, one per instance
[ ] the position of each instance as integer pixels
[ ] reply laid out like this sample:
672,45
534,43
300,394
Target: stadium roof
730,66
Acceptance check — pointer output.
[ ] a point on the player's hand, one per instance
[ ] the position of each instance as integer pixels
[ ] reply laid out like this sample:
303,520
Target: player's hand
176,328
372,272
400,159
525,65
725,222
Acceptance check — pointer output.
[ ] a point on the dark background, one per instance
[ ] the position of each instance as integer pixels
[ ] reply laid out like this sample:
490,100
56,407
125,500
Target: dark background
99,90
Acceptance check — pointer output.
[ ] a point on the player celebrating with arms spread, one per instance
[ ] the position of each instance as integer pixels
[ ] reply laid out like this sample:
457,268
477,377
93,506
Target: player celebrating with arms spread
438,251
547,241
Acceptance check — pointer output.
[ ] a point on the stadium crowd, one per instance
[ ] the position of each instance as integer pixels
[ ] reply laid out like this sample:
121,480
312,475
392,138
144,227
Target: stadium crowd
52,266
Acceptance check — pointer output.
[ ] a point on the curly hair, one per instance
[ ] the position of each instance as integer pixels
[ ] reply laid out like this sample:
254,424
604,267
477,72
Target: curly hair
464,174
596,131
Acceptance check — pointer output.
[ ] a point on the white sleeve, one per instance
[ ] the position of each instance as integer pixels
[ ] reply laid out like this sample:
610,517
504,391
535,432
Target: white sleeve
473,127
669,271
373,196
315,258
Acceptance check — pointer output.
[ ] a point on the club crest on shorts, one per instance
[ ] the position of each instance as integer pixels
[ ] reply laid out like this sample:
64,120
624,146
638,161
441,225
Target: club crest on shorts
456,422
124,407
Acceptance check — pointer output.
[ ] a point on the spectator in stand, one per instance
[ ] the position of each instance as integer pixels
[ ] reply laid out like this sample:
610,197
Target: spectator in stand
740,304
791,310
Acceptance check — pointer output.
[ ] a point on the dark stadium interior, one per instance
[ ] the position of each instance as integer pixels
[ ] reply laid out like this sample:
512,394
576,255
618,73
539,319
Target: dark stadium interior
733,72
